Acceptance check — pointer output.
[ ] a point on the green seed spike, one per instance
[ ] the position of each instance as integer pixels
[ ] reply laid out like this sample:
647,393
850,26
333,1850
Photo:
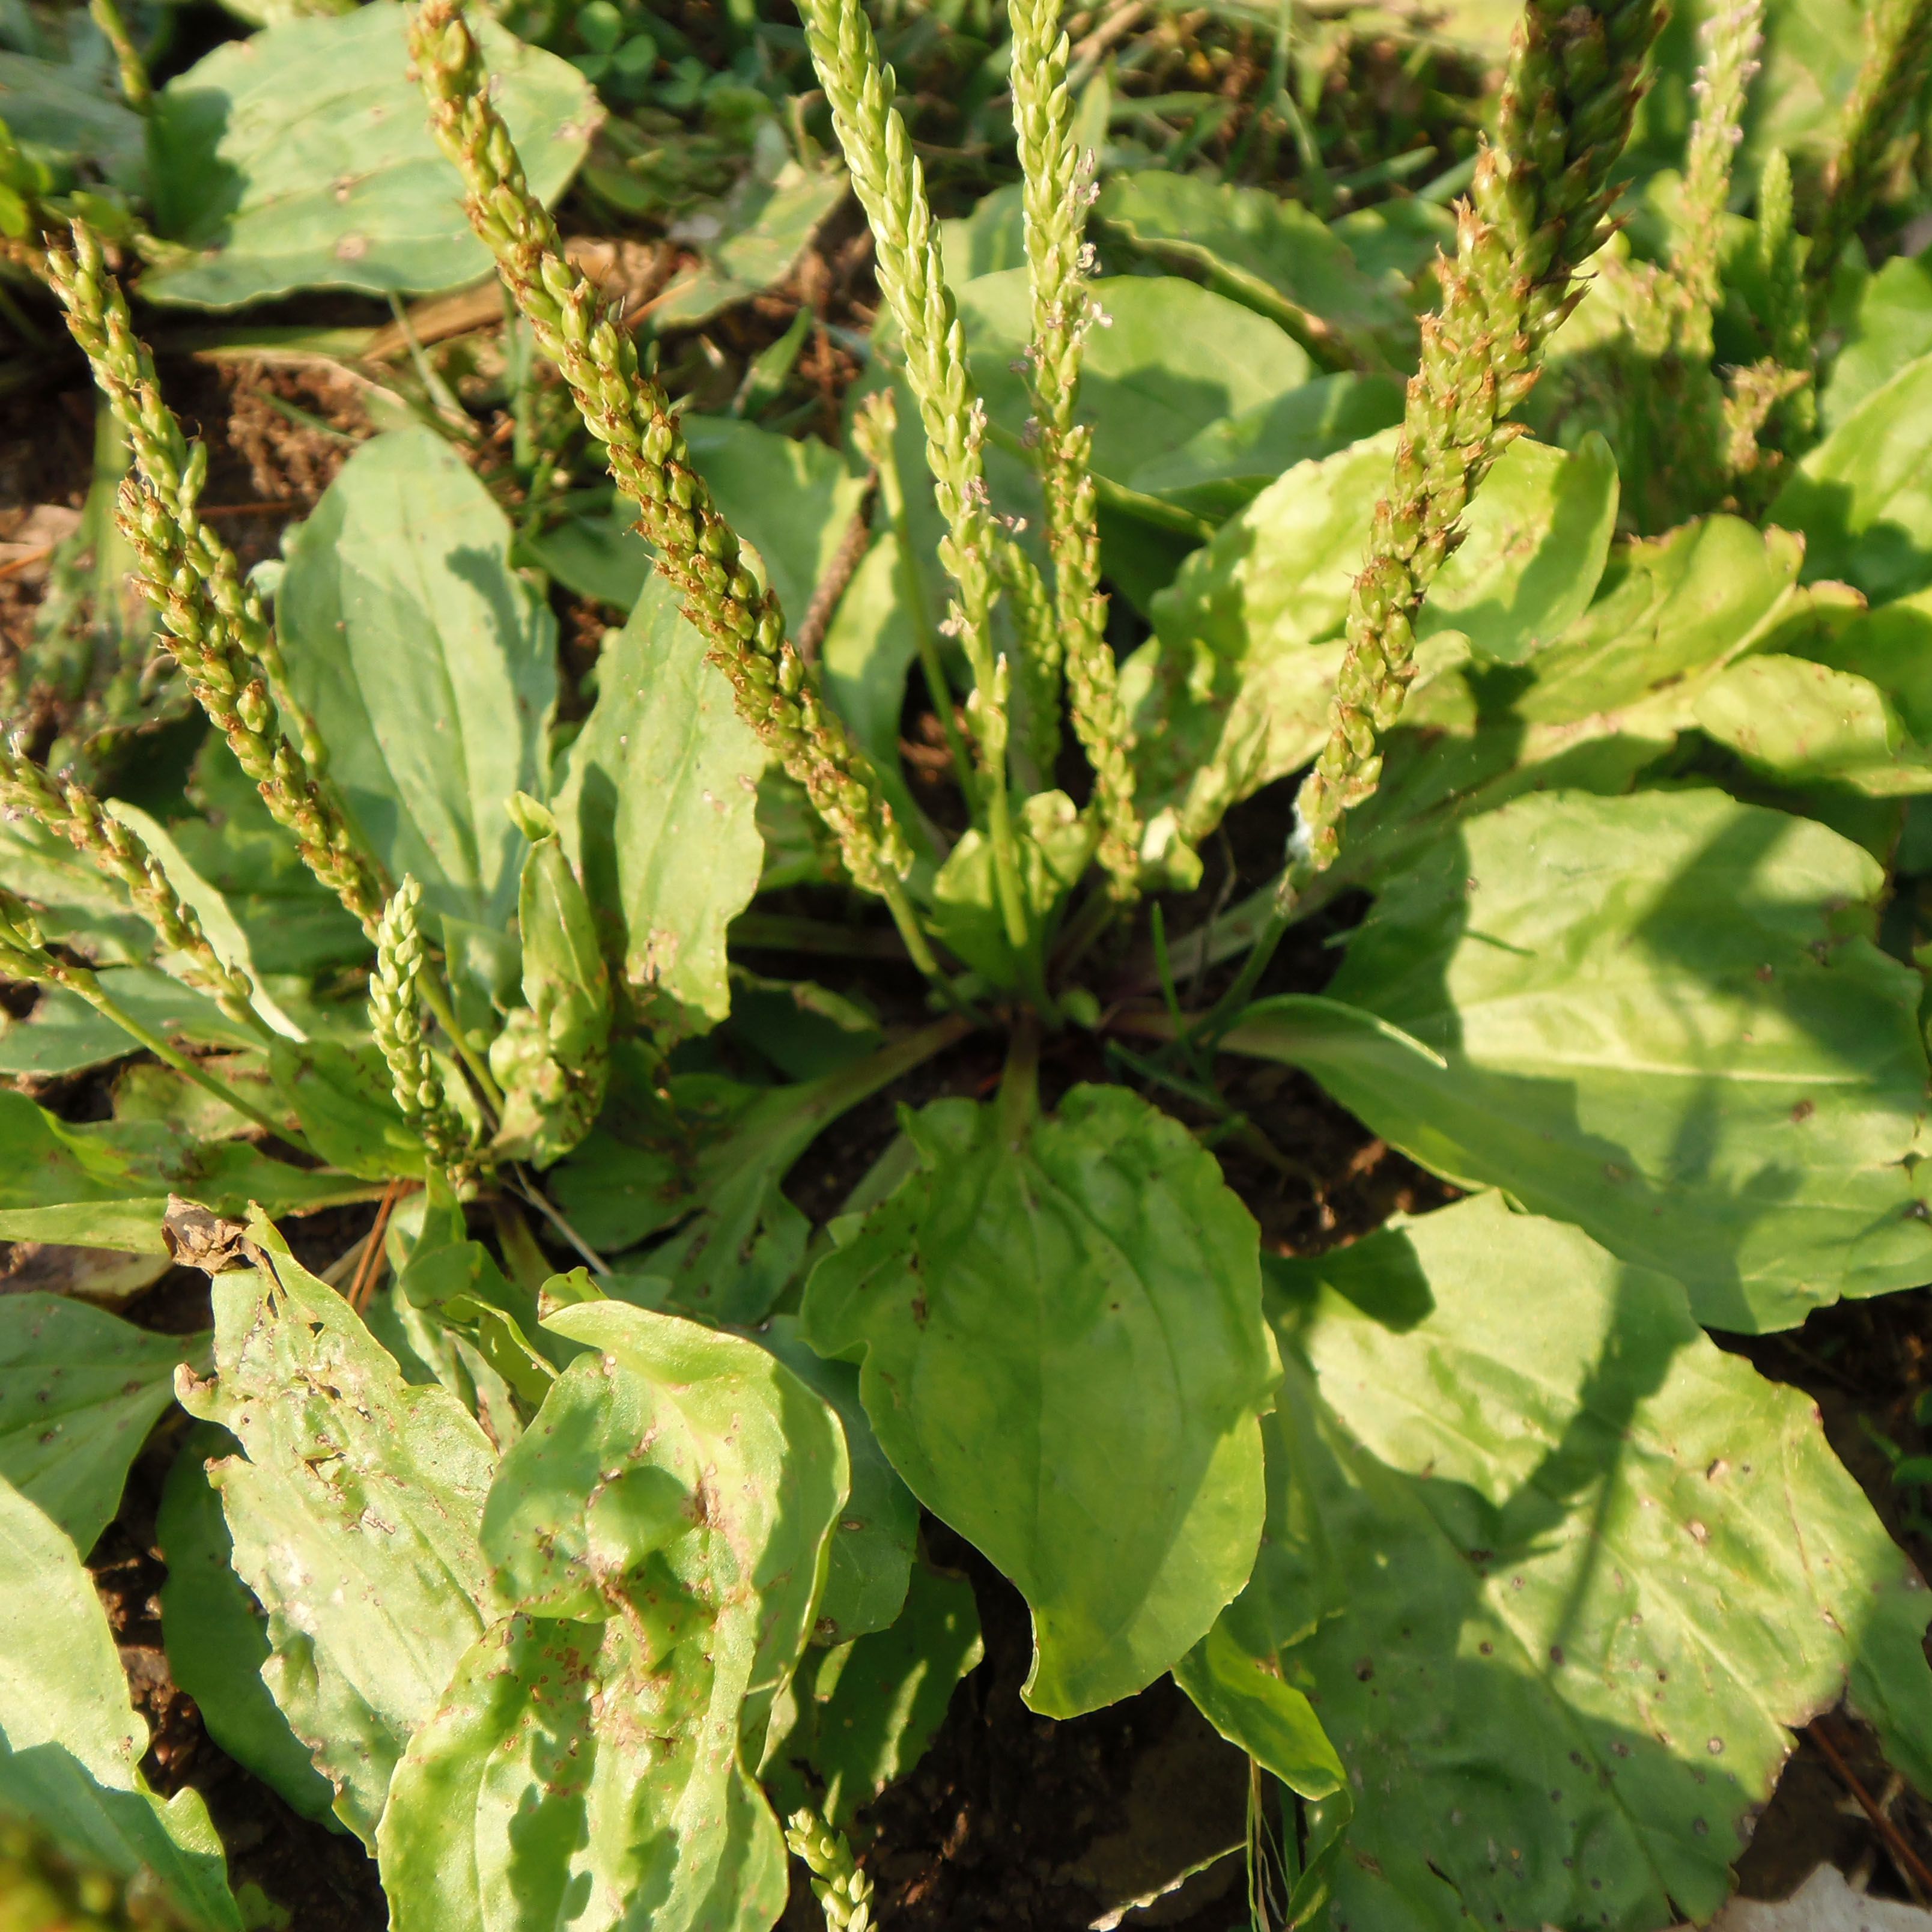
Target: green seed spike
119,852
1790,425
1538,208
1041,657
1058,189
740,620
1731,38
396,1007
215,626
891,187
843,1891
1898,33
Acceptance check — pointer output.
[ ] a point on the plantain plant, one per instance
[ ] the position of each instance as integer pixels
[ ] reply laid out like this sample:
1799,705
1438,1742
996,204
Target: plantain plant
561,1531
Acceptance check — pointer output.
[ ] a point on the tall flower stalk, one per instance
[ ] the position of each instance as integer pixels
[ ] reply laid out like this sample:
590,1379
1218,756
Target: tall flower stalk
396,1020
216,629
1058,189
739,619
1898,35
1732,38
1537,209
25,955
891,187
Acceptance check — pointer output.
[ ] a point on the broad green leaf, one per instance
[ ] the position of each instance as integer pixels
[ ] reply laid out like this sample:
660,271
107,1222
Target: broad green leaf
1664,1019
355,1507
1054,841
70,1743
49,107
458,1281
1062,1353
1893,326
78,1035
1563,1575
871,1559
301,158
992,237
1394,241
294,923
62,1034
1861,499
145,1090
746,1244
1589,710
859,1717
1223,467
791,500
76,905
105,1184
1254,1705
1668,607
217,1636
1803,723
805,1030
749,241
657,1537
658,805
79,1389
1274,256
1174,356
1536,540
429,664
617,1193
224,932
345,1100
1229,694
1890,647
424,1346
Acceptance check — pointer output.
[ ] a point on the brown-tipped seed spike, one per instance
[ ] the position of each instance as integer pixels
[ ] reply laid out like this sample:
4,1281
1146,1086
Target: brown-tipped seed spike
739,619
214,624
1538,208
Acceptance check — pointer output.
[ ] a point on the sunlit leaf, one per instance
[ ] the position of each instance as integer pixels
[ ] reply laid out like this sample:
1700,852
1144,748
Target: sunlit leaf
355,1506
1562,1575
1061,1353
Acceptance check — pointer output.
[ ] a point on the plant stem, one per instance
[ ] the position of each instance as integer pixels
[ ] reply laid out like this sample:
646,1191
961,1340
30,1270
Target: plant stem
1019,1083
873,430
438,1002
135,89
534,1195
78,980
776,692
1058,191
